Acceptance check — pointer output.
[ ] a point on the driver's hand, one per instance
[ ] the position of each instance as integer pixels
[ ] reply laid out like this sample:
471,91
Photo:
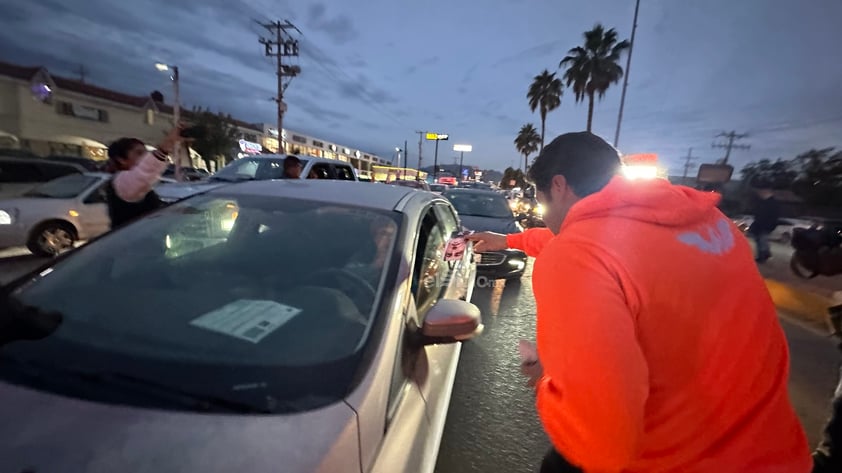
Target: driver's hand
488,241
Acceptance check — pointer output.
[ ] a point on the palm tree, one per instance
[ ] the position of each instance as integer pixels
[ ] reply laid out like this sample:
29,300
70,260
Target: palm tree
544,94
593,67
527,142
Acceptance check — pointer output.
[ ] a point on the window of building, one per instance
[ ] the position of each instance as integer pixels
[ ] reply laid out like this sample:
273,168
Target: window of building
81,111
299,139
150,117
318,144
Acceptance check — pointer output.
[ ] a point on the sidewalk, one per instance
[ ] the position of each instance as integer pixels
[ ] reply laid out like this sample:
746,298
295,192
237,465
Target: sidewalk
807,299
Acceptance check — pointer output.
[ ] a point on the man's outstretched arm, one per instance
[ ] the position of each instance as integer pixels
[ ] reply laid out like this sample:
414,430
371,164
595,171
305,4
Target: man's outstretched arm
595,381
531,241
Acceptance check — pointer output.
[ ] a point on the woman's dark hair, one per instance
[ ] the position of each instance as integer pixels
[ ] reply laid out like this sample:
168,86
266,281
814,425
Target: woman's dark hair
120,148
585,160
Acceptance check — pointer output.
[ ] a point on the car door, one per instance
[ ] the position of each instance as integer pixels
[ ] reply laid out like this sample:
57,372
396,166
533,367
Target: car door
94,214
412,435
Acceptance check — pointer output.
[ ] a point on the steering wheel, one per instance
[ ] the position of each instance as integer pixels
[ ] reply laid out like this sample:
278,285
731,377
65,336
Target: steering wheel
349,283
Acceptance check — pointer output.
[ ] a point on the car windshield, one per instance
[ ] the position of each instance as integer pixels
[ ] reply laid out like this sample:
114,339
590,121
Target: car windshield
66,187
257,168
246,298
480,204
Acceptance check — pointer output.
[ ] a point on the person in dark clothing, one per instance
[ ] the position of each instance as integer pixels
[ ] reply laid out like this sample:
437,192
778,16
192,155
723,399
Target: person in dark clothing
129,193
767,212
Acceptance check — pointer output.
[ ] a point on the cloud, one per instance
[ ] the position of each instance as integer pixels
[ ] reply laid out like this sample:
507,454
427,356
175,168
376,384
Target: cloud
430,61
339,28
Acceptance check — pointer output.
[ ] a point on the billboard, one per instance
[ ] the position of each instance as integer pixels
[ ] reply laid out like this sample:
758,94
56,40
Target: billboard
436,136
715,173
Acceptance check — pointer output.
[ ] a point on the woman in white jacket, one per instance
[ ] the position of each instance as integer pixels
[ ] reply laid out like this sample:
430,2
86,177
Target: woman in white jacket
129,193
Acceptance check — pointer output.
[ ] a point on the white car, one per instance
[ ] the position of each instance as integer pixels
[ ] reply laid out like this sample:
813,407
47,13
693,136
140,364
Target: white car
51,217
266,326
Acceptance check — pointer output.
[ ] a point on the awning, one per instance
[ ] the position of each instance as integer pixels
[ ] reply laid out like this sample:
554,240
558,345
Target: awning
76,140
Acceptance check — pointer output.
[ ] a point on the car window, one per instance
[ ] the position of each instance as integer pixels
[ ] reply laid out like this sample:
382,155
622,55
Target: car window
17,172
430,270
240,169
52,171
319,171
344,173
480,204
216,291
66,187
784,222
270,169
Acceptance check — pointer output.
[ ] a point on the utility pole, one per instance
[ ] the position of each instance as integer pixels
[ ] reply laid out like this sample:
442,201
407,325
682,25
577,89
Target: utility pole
420,141
405,159
282,46
731,136
688,163
82,73
626,76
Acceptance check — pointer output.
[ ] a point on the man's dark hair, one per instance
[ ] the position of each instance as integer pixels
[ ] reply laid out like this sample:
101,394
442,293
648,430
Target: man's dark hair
585,160
120,148
292,161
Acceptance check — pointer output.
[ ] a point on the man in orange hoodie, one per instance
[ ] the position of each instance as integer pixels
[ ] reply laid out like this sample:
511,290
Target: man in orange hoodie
659,345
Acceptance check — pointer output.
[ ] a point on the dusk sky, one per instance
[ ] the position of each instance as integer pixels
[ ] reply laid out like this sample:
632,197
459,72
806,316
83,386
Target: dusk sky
375,71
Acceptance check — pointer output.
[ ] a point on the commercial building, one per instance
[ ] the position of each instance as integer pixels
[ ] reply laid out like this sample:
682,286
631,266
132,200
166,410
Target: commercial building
303,145
52,115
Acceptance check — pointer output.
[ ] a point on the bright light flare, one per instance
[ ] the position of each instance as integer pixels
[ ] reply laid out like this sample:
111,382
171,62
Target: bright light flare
640,172
162,67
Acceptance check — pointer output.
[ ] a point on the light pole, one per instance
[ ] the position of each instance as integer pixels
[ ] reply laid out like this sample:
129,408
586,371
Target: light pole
398,151
462,150
626,78
176,113
436,137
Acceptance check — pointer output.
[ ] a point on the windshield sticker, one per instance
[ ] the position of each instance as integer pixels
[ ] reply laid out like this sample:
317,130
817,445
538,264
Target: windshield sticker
248,320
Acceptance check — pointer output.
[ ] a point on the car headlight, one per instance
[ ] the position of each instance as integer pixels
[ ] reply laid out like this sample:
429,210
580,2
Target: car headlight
540,210
8,216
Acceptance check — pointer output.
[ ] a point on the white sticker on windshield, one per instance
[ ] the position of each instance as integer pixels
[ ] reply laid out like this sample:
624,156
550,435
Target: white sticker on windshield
249,320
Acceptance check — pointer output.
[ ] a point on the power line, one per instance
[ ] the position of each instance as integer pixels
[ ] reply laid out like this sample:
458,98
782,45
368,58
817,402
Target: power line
731,136
282,46
689,163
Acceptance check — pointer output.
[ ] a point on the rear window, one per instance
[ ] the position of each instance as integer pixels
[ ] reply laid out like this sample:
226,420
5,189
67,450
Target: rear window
16,172
345,173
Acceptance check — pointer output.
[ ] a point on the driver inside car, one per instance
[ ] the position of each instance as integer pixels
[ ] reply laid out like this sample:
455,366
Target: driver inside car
369,262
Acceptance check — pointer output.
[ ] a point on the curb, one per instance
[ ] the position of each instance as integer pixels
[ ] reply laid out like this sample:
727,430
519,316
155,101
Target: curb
800,303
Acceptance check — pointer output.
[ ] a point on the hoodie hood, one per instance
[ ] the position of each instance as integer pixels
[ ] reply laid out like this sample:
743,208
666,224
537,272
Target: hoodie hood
655,201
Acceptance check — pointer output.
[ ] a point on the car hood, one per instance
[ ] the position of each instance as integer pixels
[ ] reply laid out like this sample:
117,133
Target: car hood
489,224
181,190
45,432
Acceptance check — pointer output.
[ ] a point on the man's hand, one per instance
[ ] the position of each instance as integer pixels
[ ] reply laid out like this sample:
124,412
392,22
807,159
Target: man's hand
533,372
488,241
168,144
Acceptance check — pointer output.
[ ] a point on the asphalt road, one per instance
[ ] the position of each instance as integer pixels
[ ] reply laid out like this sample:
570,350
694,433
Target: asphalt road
492,425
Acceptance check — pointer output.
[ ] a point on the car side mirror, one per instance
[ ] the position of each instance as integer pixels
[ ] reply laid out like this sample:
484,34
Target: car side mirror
451,321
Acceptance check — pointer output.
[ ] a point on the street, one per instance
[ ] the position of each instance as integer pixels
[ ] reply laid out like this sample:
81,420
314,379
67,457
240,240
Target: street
492,424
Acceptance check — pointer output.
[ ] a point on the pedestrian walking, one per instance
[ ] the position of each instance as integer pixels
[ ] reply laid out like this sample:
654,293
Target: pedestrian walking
136,171
767,212
659,348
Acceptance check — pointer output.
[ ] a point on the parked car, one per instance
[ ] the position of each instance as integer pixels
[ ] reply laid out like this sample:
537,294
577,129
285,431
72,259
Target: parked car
310,333
486,210
438,188
18,175
258,167
420,185
89,164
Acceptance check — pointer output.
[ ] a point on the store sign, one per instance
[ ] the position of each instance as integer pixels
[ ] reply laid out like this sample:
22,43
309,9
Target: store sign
437,137
250,147
272,132
346,150
333,147
357,154
463,148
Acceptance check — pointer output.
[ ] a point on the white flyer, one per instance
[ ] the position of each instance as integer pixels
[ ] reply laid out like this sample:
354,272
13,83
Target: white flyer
249,320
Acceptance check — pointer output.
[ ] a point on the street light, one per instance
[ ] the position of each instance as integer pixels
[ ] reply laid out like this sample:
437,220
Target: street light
436,137
176,113
462,150
398,150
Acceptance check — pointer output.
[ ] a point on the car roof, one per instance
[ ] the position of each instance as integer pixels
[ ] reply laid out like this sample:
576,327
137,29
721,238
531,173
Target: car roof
330,191
42,161
303,158
464,190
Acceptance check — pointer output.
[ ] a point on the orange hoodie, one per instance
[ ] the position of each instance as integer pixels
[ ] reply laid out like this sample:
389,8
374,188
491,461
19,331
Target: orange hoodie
661,347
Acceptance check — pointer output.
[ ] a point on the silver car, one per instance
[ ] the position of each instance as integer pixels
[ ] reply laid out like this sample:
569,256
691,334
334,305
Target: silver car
259,327
51,217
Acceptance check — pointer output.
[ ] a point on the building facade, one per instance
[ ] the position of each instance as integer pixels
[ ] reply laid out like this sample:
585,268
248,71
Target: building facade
52,115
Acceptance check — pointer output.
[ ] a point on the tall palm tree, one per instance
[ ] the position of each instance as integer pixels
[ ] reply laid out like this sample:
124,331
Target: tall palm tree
527,142
593,67
545,94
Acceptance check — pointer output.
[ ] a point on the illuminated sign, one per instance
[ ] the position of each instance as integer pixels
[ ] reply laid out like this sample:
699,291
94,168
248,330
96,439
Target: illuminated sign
249,147
463,148
357,154
333,147
346,150
436,136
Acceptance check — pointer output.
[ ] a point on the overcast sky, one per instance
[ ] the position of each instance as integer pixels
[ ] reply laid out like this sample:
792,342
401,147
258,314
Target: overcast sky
375,71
